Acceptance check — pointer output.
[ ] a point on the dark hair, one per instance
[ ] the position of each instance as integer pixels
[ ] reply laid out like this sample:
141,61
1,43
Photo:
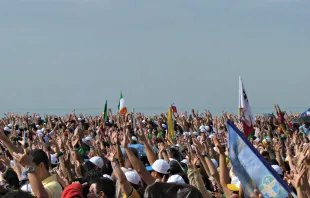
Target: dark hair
175,167
265,153
39,156
92,176
106,186
175,153
87,166
17,194
11,178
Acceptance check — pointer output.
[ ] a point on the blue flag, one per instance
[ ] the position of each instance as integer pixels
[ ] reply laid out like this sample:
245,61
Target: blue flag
251,169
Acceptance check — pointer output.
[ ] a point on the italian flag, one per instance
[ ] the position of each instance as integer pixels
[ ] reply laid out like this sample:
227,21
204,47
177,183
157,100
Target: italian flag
121,106
245,113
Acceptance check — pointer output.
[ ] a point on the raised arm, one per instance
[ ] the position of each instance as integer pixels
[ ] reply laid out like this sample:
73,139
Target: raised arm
136,163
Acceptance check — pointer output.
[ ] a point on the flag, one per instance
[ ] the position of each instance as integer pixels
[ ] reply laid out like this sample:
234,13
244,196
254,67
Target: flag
170,124
251,169
105,113
245,113
174,110
121,106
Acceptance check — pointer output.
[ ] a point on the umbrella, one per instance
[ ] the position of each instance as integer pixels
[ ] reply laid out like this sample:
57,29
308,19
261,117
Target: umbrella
304,119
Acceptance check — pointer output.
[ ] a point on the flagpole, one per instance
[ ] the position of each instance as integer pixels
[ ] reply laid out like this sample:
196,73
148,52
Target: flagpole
133,118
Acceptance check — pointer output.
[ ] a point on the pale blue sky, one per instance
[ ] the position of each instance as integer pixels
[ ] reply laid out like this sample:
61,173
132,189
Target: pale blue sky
78,53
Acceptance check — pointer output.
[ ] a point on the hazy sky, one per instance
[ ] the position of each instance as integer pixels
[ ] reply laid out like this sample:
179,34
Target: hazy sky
78,53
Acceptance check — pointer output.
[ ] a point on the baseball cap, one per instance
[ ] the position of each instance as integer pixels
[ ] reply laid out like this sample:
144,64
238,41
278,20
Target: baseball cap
185,161
97,161
176,179
133,177
161,166
134,138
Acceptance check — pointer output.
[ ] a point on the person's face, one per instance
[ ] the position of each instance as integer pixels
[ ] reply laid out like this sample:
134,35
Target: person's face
40,170
155,175
93,192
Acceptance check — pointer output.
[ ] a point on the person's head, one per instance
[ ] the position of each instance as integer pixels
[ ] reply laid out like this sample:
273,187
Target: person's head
160,169
102,188
18,194
175,167
97,161
11,178
266,156
40,160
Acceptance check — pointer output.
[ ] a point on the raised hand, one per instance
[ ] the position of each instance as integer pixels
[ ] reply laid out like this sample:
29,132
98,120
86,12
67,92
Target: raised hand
141,135
125,140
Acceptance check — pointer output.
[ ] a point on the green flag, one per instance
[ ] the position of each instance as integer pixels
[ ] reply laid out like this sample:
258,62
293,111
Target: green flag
106,111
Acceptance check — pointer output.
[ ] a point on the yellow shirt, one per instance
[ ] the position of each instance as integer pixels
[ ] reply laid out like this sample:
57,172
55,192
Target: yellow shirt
52,187
134,194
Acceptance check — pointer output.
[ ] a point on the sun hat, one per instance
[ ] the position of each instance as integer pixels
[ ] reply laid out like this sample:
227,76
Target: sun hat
161,166
97,161
133,177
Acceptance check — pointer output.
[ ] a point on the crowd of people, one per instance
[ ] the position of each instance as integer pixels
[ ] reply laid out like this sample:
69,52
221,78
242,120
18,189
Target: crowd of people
131,156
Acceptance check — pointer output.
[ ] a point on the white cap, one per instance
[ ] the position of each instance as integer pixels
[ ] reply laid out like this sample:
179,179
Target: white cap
79,119
38,126
257,140
211,135
278,169
97,161
134,138
133,177
195,133
7,129
178,145
88,138
54,160
203,130
143,121
215,163
201,127
161,166
176,179
185,161
207,128
163,125
10,125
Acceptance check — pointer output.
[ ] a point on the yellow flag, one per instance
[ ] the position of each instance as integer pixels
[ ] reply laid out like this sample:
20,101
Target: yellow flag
171,133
